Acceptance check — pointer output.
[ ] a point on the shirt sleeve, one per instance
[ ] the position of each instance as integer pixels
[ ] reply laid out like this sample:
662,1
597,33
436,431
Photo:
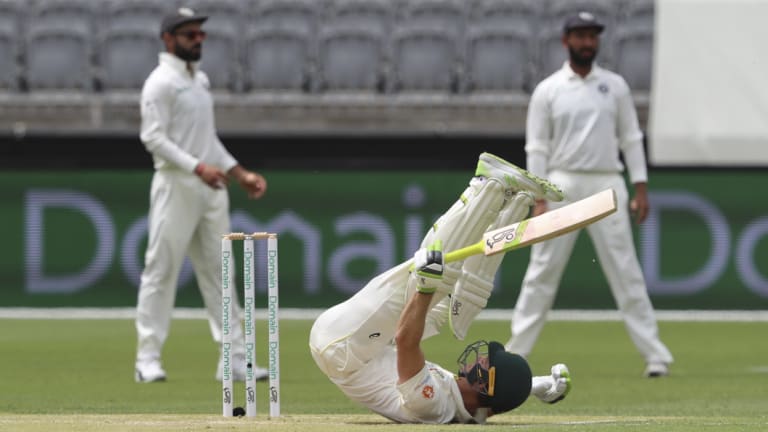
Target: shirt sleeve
538,132
428,397
630,136
156,105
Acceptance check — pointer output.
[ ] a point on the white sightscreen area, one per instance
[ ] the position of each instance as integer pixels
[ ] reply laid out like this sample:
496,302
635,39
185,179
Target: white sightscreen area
709,97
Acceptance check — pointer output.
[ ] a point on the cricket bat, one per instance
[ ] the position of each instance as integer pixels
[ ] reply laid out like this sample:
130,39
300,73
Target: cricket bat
543,227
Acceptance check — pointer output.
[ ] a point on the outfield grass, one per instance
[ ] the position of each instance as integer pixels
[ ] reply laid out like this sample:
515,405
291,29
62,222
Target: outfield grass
77,375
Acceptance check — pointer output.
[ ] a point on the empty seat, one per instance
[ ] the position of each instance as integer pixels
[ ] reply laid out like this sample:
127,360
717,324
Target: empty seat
127,57
223,15
499,59
278,59
63,13
376,15
448,15
634,58
221,59
637,14
58,58
9,60
425,59
298,15
351,58
516,14
11,43
135,14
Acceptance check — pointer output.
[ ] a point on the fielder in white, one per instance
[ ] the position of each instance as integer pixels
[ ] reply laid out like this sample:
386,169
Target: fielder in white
579,119
189,202
369,345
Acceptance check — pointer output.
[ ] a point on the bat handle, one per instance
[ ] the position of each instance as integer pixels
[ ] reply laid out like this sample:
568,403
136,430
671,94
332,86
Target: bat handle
465,252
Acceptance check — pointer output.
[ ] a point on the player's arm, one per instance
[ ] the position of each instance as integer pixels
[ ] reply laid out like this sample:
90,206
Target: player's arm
538,138
428,265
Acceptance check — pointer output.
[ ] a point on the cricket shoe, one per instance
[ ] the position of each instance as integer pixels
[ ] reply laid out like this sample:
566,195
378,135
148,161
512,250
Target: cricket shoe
554,388
149,371
516,178
656,369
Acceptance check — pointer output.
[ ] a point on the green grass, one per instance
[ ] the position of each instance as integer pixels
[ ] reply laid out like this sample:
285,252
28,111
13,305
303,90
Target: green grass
78,375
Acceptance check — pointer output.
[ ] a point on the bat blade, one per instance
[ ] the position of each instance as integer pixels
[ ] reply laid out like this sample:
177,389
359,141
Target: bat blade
543,227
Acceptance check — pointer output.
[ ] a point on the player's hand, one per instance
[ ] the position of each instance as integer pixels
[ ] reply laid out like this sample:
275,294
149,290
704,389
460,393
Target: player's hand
212,176
254,184
539,208
428,265
639,205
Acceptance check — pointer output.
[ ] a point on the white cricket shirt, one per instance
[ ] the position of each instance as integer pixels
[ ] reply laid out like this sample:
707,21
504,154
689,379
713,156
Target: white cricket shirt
177,119
581,124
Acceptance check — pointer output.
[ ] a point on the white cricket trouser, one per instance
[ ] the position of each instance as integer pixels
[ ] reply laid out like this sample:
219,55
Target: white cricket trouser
613,242
185,217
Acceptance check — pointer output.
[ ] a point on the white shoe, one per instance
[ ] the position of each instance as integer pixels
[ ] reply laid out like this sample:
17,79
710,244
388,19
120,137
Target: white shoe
555,387
516,178
149,371
656,369
239,371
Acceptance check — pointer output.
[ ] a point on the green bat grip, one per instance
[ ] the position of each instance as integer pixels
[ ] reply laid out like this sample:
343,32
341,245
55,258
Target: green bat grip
465,252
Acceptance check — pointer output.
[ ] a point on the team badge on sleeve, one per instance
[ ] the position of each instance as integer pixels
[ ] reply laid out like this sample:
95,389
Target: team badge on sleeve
428,392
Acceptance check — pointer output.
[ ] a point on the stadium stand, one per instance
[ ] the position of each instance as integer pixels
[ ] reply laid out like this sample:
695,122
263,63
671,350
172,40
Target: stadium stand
419,64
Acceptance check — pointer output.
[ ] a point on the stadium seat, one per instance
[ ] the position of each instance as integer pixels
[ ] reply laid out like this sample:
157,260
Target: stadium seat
11,43
425,59
377,15
135,14
298,15
63,13
9,61
516,14
223,15
447,15
59,58
637,14
499,59
127,57
278,59
634,57
351,58
221,59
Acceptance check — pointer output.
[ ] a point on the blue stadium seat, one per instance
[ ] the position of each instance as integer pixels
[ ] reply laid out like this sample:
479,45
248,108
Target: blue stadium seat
425,59
499,58
59,58
278,59
637,14
351,58
11,43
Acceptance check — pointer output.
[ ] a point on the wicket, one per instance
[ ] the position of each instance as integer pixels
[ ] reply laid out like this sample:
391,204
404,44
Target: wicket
249,303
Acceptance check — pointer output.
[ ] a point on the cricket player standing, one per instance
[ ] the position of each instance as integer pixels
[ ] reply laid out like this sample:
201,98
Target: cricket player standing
369,345
579,119
189,202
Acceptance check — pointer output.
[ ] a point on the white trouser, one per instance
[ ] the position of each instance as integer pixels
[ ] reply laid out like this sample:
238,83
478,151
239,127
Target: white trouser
613,242
185,217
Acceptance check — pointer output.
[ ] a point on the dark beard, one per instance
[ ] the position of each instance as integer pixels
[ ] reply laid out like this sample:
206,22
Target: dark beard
581,59
187,55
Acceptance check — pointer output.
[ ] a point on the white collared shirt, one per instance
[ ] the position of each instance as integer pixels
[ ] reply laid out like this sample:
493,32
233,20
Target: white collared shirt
581,124
177,119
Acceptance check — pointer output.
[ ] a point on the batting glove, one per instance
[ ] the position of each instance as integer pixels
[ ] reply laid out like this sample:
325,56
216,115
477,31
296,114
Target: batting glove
428,265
